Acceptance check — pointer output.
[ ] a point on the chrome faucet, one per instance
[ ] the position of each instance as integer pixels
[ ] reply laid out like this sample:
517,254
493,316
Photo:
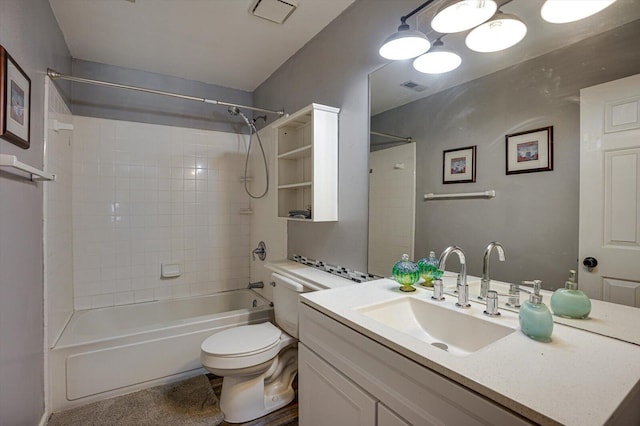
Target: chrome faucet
462,287
486,281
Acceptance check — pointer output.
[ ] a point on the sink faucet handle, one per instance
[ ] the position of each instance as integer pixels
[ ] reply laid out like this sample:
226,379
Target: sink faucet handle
514,296
492,304
437,290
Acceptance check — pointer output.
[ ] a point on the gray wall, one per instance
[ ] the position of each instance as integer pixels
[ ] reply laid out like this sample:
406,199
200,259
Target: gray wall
30,33
333,69
118,104
534,215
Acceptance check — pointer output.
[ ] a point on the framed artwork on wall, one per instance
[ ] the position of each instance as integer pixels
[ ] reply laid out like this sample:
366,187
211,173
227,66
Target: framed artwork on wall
459,165
15,102
530,151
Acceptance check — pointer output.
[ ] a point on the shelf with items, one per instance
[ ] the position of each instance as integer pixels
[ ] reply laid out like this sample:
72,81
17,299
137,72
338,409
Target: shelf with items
307,164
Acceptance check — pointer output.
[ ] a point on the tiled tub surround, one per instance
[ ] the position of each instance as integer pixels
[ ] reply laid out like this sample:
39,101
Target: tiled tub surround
147,194
116,350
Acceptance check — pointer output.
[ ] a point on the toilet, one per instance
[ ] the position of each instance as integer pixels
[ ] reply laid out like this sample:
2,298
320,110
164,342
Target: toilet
258,362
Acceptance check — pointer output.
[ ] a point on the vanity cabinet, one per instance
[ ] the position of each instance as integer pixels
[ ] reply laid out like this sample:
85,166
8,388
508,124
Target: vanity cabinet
342,372
307,163
329,397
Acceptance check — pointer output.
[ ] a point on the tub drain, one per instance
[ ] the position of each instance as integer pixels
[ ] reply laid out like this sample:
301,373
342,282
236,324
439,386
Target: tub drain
440,345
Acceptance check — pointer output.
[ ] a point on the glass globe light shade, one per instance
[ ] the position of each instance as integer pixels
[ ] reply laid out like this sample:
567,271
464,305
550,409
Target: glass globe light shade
563,11
463,15
404,44
437,61
499,33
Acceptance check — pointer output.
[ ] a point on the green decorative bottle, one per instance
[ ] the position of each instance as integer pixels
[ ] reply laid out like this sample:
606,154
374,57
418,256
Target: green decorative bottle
405,273
535,318
569,302
429,271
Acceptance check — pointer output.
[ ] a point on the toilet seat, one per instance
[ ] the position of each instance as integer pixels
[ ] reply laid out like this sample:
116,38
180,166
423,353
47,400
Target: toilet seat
242,347
243,340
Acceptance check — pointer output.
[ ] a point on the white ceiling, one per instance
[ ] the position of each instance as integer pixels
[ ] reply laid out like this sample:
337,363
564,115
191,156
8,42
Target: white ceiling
542,37
214,41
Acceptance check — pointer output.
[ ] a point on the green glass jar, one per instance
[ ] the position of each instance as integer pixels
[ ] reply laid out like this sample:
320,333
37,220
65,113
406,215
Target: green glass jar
429,271
405,273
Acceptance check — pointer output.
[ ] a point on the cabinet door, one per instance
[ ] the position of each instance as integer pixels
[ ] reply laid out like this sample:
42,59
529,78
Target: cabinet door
327,398
387,417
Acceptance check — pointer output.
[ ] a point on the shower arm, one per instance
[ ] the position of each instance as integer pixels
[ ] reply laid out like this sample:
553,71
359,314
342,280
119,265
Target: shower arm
54,75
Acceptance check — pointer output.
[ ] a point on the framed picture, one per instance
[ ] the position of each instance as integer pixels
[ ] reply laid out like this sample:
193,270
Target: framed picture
530,151
459,165
15,102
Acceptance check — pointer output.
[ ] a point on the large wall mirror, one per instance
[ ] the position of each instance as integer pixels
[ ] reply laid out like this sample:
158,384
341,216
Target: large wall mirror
533,85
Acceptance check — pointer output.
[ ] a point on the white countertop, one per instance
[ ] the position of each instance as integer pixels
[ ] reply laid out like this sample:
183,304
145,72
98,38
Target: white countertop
579,378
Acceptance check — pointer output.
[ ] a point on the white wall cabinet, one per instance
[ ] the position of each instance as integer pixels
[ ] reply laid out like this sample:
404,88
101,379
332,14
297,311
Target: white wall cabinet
350,370
307,163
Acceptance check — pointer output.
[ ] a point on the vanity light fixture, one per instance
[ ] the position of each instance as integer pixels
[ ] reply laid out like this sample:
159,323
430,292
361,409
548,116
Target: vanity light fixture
438,60
406,43
461,15
498,33
563,11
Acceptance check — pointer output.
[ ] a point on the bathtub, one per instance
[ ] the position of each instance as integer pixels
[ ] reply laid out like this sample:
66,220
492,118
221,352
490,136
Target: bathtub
112,351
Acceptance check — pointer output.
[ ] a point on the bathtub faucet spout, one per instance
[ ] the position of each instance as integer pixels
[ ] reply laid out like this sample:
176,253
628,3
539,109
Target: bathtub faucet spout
257,284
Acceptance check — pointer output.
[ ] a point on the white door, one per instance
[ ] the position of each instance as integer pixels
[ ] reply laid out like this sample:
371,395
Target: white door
610,191
392,198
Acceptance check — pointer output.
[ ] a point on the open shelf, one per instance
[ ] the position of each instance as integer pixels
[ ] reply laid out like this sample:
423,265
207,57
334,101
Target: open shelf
304,151
307,163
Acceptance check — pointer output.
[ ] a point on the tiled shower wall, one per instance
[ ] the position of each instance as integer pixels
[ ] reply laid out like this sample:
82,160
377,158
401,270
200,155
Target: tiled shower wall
148,194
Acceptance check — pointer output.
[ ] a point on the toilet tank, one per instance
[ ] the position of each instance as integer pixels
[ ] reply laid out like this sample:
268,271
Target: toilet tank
285,301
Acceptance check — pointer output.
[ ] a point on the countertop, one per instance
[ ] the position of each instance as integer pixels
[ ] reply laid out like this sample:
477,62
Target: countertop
579,378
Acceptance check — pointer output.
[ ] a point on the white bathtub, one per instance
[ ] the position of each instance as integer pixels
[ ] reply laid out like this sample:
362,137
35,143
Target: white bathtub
112,351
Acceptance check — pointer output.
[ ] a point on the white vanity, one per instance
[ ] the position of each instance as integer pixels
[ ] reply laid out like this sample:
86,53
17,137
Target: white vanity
372,355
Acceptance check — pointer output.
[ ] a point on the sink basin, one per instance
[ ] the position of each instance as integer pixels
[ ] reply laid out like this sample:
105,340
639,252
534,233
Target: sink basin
453,331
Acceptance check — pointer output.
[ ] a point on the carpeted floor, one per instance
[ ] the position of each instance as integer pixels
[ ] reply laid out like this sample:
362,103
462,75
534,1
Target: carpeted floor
192,402
188,403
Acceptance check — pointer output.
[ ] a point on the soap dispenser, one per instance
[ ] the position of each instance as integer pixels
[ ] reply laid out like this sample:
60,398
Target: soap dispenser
405,273
569,302
535,318
429,271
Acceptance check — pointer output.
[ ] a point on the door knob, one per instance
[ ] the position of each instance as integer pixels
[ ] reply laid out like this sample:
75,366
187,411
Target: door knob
590,262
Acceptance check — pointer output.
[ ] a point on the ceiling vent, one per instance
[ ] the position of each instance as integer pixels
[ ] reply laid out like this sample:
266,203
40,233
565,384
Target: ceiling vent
412,85
274,10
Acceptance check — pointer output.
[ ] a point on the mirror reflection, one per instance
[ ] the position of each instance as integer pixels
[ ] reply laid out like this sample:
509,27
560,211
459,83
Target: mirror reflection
533,85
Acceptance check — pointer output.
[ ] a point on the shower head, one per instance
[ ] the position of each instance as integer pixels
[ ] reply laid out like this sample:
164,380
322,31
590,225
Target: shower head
235,111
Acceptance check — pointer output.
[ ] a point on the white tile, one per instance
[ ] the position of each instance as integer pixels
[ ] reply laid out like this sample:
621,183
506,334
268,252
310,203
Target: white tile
140,296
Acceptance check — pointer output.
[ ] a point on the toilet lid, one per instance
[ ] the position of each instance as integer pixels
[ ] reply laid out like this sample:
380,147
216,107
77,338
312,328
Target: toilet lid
243,340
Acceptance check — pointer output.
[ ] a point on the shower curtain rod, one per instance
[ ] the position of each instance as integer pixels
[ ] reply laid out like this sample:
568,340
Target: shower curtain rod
56,75
387,135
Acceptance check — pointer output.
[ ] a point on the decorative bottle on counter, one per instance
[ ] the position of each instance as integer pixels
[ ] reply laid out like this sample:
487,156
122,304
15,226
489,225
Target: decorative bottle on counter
569,302
535,318
405,273
428,267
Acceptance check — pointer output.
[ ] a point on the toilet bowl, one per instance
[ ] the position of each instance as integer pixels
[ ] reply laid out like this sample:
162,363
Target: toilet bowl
258,362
